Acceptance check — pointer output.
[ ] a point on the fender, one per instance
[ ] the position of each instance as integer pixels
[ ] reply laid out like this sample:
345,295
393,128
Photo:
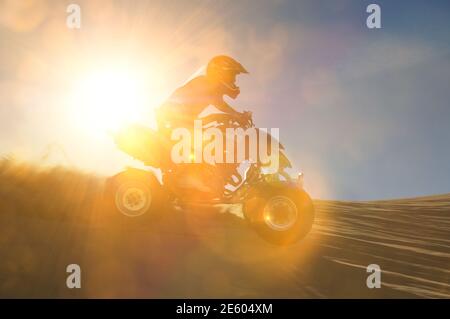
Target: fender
134,173
264,188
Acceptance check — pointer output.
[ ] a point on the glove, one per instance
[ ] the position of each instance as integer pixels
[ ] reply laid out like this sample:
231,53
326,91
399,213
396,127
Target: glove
245,119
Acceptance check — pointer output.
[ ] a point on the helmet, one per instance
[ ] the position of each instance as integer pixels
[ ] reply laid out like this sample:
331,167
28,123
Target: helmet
223,69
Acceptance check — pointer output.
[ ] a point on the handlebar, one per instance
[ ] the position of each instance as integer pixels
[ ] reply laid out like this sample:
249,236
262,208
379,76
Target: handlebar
244,120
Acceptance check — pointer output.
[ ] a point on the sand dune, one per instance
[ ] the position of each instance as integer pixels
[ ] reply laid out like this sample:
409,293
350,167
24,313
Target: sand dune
54,217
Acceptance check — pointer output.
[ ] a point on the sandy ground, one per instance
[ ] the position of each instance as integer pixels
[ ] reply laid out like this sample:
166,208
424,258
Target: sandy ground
50,219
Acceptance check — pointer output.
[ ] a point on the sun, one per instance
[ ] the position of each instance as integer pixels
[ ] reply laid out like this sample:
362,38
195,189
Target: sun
107,99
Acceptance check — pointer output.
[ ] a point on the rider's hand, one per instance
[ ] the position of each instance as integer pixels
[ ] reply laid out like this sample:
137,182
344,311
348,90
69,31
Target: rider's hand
245,118
239,118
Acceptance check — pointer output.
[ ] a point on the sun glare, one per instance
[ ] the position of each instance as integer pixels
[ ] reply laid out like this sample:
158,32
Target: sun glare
105,100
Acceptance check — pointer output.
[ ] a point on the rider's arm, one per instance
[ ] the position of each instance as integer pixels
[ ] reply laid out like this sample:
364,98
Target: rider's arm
226,108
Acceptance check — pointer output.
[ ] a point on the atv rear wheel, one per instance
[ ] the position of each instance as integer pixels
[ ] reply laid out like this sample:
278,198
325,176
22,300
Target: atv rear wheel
135,196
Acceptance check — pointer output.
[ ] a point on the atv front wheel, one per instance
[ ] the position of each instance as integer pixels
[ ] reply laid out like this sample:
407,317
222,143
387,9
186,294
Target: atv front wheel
280,215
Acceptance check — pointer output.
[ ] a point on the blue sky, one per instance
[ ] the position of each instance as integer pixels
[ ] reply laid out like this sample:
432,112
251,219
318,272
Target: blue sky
364,113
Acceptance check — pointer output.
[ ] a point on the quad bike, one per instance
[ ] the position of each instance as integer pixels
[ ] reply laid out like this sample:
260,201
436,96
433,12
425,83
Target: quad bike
274,204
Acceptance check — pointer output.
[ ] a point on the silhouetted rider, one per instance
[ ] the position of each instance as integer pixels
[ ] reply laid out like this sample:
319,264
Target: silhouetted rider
188,101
